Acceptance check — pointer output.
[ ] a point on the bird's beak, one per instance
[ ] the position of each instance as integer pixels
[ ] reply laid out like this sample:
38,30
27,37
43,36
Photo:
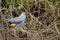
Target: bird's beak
12,25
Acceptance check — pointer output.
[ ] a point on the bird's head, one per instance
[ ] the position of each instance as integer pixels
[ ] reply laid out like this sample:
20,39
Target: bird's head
23,13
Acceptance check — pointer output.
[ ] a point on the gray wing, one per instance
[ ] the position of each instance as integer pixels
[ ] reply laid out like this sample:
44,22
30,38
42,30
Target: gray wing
22,24
14,20
17,19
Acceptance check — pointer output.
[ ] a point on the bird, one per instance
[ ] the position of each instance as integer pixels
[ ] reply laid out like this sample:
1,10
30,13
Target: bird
18,22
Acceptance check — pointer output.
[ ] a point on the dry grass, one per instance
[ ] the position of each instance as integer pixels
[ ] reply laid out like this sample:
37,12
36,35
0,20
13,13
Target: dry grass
42,23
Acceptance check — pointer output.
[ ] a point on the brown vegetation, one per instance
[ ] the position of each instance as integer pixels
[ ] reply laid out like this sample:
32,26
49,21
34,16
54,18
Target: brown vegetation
42,21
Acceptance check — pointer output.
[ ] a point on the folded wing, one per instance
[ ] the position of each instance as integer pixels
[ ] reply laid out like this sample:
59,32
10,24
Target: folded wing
18,19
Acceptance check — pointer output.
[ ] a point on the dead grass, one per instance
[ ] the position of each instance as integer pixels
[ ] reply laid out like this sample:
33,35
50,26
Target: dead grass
42,23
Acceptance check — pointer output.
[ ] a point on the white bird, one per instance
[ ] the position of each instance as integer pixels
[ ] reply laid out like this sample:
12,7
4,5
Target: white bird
19,21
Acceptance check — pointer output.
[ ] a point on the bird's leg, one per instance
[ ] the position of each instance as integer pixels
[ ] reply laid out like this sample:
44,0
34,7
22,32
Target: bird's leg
22,30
